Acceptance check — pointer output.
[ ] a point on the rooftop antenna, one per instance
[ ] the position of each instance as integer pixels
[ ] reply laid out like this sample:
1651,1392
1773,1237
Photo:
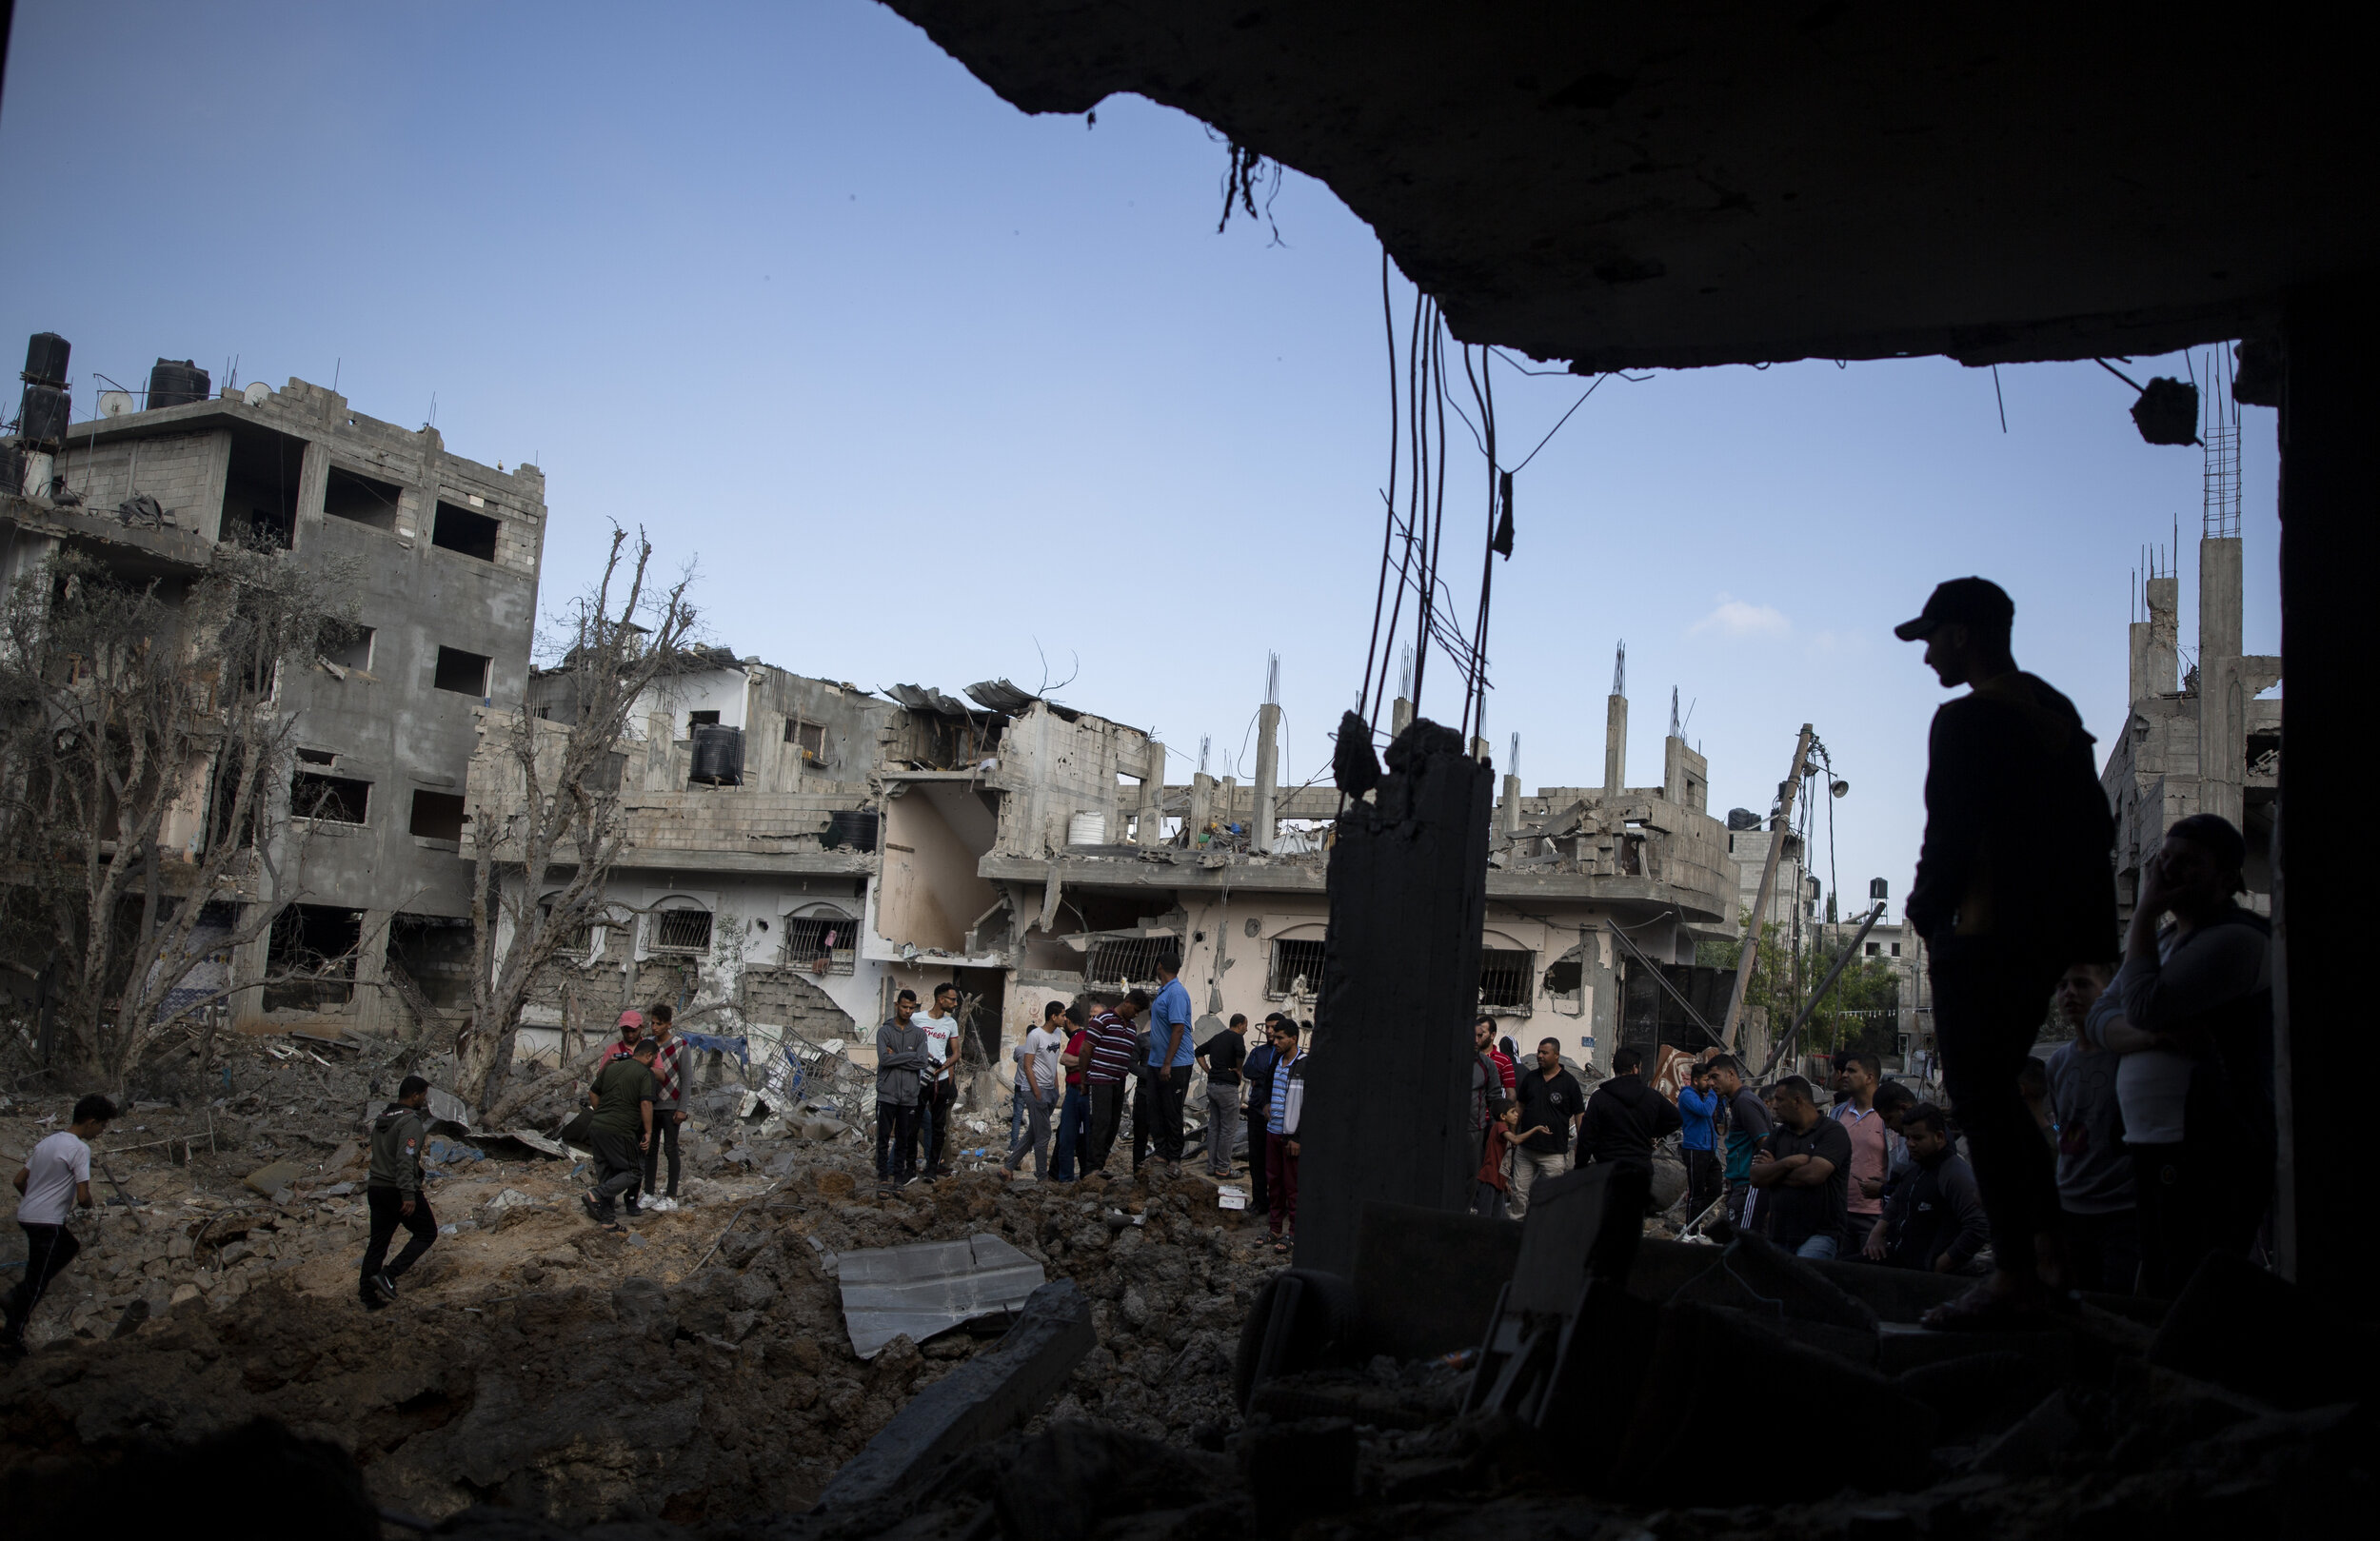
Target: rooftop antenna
1673,723
1272,679
1619,670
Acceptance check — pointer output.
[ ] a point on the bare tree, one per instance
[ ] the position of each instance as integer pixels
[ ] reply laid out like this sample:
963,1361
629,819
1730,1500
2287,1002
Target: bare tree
548,809
142,762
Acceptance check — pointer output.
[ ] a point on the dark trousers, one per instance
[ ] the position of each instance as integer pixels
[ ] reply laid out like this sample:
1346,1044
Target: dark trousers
1260,1185
2103,1252
1107,1110
1705,1179
896,1141
618,1164
932,1129
1144,1118
2181,1201
48,1250
1074,1135
1988,1003
1169,1092
1487,1199
664,1132
388,1207
1034,1136
1280,1177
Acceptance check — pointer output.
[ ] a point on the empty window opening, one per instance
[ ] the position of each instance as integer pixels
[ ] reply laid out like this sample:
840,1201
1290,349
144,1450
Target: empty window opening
350,647
362,498
808,740
435,954
310,959
682,931
465,673
821,943
437,816
695,720
463,531
324,757
1125,960
1873,948
1896,949
1504,975
260,488
1294,962
582,940
334,799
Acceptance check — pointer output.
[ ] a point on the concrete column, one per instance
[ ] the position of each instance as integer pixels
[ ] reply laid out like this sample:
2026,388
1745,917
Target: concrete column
1614,745
1229,812
2329,501
2153,649
2222,685
1399,716
1153,799
377,1008
248,966
1202,803
1509,812
1261,828
1388,1100
1603,981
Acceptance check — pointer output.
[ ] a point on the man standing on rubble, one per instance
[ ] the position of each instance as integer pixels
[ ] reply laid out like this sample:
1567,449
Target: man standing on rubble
54,1179
1170,1054
621,1131
2014,884
1699,1107
1550,1106
1749,1127
1114,1049
1256,1099
1220,1056
1622,1121
1804,1174
1283,1115
1856,1078
940,1093
392,1192
901,1065
1074,1111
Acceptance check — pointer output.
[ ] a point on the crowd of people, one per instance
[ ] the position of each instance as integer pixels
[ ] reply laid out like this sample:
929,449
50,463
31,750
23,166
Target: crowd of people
1089,1063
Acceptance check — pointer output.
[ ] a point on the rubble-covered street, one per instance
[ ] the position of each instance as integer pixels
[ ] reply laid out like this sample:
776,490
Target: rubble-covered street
694,1367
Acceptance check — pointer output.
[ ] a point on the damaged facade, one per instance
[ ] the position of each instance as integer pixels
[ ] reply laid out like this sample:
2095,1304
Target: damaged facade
441,554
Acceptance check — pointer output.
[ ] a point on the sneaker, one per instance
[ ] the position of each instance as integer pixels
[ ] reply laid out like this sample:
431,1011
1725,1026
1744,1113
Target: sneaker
371,1299
594,1212
385,1284
662,1206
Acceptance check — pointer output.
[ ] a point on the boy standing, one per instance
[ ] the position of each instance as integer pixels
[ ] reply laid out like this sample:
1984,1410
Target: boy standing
392,1191
55,1176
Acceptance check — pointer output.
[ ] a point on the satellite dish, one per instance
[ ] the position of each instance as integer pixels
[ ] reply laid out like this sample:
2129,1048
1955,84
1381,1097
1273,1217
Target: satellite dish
256,393
114,403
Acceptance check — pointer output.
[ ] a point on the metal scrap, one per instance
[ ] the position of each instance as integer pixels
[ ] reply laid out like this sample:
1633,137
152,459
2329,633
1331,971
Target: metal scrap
929,1287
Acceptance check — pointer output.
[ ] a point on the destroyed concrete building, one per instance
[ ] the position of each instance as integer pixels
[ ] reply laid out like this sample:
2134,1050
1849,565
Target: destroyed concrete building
2206,742
441,554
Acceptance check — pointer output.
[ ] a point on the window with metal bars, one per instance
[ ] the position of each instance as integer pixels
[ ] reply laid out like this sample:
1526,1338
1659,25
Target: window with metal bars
1504,978
1122,960
682,931
1293,961
821,943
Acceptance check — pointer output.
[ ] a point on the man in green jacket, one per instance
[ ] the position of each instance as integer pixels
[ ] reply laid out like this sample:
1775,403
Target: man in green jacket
620,1130
394,1190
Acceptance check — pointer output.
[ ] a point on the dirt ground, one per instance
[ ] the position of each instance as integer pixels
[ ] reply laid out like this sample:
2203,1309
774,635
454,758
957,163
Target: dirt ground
693,1367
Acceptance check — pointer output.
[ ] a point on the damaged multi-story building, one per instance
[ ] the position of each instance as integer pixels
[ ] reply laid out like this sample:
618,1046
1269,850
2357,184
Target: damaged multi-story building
798,850
441,554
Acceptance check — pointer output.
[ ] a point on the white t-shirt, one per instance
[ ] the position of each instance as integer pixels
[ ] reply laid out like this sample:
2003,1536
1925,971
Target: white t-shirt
1040,1054
57,1166
936,1039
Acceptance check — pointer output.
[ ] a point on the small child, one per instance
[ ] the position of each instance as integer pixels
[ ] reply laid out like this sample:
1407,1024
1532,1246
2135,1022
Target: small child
1503,1133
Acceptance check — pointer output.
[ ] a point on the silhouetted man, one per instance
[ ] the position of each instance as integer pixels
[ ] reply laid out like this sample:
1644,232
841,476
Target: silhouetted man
2014,884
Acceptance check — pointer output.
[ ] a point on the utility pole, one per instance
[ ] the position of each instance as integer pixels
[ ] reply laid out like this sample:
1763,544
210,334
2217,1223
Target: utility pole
1778,828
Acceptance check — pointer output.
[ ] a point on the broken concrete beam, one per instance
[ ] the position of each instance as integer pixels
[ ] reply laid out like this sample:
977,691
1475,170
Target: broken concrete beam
980,1400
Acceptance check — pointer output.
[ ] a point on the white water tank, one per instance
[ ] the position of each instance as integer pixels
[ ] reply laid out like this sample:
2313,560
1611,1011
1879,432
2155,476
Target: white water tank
1087,829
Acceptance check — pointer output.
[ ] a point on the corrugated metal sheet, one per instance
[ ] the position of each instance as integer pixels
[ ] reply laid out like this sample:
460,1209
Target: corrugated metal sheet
930,1287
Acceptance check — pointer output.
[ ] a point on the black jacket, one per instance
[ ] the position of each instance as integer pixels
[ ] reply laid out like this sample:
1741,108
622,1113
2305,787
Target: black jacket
1624,1118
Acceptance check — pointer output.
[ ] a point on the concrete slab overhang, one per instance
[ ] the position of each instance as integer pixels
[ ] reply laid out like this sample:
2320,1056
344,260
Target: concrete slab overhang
1675,186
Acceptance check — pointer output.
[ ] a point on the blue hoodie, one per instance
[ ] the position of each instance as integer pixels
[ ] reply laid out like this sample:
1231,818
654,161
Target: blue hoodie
1697,1109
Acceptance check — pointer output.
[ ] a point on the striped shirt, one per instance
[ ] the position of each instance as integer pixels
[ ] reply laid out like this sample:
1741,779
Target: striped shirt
666,1071
1114,1048
1279,1112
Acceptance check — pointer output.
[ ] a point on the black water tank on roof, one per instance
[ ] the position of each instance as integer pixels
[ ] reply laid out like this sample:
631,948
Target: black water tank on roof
718,755
1741,818
44,359
177,384
42,417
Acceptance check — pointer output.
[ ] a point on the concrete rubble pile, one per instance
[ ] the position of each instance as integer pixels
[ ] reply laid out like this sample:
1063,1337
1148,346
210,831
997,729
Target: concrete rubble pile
695,1367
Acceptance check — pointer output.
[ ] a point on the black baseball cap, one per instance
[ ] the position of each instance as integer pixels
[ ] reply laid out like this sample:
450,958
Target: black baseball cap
1974,601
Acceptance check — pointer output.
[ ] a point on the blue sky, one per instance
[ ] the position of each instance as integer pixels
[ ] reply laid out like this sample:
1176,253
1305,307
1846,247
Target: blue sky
919,383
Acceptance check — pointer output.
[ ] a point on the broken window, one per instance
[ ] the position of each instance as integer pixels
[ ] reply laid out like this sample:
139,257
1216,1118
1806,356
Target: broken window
334,799
460,530
366,499
351,648
435,952
437,816
695,720
808,740
260,488
1125,960
309,959
1504,975
465,673
826,944
1293,961
685,931
1873,948
316,756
